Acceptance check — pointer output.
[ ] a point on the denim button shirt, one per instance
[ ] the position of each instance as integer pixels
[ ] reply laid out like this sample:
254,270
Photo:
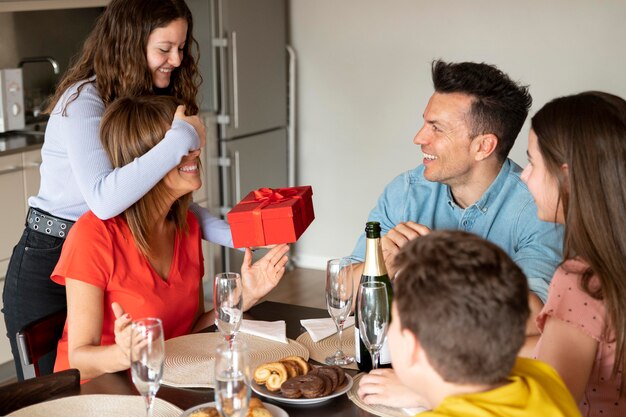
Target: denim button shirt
505,215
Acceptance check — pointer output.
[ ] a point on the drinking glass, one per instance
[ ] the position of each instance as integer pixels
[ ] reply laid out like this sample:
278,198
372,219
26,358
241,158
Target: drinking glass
373,317
339,302
146,358
228,303
232,379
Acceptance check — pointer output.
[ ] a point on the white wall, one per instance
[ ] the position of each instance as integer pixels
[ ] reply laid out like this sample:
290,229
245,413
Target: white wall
364,80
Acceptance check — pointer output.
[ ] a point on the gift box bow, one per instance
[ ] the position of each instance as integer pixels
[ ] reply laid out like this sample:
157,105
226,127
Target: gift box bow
265,197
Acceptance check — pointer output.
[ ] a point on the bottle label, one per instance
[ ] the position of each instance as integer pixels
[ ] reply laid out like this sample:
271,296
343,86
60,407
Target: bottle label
357,339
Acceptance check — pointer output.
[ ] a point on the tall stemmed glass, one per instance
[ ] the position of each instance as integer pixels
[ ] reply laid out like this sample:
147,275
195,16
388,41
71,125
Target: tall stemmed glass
232,379
373,317
228,303
146,358
339,302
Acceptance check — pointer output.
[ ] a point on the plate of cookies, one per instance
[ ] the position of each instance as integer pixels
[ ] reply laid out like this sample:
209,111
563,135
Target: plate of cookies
293,380
255,409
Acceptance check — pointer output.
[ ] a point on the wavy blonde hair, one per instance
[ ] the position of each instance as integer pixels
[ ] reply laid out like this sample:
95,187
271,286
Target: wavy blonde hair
115,52
130,127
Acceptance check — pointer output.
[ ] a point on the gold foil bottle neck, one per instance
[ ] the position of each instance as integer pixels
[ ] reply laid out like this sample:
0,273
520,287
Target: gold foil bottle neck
374,262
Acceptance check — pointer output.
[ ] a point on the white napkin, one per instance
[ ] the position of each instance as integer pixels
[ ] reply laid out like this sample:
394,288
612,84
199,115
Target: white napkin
414,411
322,328
272,330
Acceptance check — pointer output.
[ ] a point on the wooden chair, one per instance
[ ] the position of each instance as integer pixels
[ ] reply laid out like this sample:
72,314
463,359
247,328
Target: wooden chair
35,390
37,339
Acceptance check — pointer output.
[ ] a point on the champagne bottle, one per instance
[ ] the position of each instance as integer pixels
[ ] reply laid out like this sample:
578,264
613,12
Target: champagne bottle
373,270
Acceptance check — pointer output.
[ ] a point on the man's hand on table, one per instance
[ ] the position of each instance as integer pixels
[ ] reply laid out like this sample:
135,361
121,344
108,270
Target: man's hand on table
382,386
396,238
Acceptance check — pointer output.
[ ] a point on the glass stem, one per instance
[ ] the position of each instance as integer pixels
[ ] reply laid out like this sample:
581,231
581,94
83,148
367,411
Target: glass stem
339,335
149,404
374,354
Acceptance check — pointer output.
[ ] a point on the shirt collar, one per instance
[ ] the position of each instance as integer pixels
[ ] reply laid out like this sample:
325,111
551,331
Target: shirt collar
488,196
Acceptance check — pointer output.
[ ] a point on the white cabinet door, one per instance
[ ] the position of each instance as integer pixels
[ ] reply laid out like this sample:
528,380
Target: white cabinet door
13,206
5,346
32,162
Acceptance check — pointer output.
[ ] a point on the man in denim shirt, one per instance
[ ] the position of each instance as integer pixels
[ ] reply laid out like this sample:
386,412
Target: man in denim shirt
466,181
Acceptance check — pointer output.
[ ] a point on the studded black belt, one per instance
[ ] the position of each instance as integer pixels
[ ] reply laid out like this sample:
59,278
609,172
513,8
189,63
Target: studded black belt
47,224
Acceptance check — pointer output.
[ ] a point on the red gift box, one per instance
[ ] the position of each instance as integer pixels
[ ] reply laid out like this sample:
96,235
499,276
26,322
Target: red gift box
270,216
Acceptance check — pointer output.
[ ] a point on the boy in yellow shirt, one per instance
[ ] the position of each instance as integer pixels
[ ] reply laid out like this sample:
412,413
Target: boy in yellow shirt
459,314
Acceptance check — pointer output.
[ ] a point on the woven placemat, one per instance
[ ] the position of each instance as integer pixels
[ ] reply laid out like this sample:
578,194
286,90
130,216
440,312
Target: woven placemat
379,410
98,406
189,359
326,347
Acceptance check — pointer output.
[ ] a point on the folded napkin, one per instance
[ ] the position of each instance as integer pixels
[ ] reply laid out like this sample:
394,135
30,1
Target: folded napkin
272,330
322,328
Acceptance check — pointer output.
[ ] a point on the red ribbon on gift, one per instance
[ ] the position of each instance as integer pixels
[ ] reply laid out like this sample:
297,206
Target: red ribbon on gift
265,197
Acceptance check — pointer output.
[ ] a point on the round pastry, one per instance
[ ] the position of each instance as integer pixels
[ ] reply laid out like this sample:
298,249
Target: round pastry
255,402
257,409
304,365
271,374
293,369
308,386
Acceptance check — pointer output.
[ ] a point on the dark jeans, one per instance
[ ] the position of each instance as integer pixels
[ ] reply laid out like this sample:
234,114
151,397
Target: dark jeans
29,293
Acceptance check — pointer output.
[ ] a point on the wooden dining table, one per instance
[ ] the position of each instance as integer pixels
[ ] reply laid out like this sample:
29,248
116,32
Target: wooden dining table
120,383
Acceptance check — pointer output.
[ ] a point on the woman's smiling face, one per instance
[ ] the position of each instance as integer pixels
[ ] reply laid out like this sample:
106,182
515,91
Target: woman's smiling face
164,51
542,185
185,178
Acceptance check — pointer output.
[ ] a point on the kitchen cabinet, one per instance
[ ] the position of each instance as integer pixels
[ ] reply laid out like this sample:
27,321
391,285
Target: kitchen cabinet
208,196
19,178
13,206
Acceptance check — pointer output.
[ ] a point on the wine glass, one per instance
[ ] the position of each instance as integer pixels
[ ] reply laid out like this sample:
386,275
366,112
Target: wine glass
228,303
232,379
373,317
146,358
339,302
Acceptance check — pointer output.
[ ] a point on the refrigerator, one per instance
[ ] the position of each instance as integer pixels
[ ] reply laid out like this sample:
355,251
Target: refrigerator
247,89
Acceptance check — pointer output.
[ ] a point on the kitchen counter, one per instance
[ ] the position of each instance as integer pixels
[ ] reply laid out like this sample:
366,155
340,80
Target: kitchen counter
16,142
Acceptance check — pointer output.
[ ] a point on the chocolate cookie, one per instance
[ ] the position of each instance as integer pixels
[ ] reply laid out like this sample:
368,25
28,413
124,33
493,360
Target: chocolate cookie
330,373
328,384
340,373
309,386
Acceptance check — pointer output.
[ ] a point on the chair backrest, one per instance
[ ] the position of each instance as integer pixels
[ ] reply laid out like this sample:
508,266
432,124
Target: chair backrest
37,339
35,390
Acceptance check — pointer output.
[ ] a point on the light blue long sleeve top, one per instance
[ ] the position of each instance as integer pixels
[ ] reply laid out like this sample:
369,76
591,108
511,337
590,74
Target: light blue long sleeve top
77,175
506,215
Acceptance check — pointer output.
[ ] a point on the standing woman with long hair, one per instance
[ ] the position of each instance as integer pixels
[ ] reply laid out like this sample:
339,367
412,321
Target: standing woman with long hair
137,47
577,175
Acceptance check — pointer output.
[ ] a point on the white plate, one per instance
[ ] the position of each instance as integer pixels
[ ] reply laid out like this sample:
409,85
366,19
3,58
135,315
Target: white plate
276,396
275,410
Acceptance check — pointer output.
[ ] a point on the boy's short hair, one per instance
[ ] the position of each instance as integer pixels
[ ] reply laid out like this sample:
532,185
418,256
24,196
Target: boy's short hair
466,302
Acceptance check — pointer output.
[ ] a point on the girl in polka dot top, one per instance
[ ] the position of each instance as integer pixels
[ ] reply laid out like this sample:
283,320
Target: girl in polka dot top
577,176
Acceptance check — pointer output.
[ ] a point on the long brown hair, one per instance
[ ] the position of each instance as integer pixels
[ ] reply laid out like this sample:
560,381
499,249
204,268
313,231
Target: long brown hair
115,52
587,131
130,127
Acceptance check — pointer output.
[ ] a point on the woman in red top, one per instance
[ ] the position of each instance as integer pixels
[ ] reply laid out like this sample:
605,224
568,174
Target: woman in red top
146,261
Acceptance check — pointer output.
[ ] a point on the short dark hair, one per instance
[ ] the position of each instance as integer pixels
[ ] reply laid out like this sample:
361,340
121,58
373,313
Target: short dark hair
466,302
499,105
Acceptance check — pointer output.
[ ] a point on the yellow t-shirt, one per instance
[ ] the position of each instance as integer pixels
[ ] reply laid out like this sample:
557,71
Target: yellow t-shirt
534,389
